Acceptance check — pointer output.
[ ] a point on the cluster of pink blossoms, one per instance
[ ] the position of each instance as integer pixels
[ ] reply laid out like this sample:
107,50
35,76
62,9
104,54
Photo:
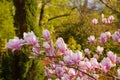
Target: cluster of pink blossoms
104,20
70,65
105,36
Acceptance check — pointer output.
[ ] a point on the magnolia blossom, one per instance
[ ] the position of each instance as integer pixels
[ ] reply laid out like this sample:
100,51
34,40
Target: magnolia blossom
46,45
50,52
15,43
96,56
72,72
91,39
95,21
87,51
76,57
104,20
52,65
30,38
46,34
61,45
36,49
72,58
112,56
118,60
94,63
59,71
99,50
65,77
106,64
116,38
96,76
108,34
111,18
103,38
85,65
48,72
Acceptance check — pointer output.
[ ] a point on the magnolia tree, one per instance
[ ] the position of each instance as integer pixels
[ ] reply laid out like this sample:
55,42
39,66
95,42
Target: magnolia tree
64,64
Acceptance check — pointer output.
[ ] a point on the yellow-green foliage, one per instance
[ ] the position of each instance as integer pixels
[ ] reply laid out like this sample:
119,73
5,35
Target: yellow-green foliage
6,20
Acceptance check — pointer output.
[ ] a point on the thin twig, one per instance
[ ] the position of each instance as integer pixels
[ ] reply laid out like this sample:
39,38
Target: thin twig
115,77
109,6
63,15
84,72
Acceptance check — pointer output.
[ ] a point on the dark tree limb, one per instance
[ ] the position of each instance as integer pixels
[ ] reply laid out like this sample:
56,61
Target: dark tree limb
84,72
42,11
63,15
55,17
114,77
109,7
20,17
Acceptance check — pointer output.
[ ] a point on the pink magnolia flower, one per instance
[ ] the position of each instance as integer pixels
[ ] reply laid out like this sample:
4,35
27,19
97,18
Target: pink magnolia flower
96,76
50,52
67,59
88,65
94,63
103,38
46,45
104,21
111,18
72,58
36,49
76,57
46,34
115,37
30,38
65,77
112,56
87,52
106,64
15,43
72,72
118,60
95,21
48,72
96,56
61,45
59,71
91,39
99,50
85,65
108,34
52,65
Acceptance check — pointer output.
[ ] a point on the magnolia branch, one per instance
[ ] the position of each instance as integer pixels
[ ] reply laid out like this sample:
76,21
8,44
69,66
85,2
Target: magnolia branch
109,6
75,68
84,72
116,78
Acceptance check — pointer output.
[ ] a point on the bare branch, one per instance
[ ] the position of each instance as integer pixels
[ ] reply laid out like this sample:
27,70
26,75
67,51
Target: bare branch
84,72
42,11
109,6
116,78
63,15
58,16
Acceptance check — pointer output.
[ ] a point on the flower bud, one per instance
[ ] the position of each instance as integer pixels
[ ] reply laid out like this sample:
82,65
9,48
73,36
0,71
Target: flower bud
46,34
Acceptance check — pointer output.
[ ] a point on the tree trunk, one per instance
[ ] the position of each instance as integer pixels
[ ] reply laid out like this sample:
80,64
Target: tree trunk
20,17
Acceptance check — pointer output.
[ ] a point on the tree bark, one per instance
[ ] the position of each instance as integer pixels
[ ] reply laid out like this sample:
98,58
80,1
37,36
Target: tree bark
20,17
